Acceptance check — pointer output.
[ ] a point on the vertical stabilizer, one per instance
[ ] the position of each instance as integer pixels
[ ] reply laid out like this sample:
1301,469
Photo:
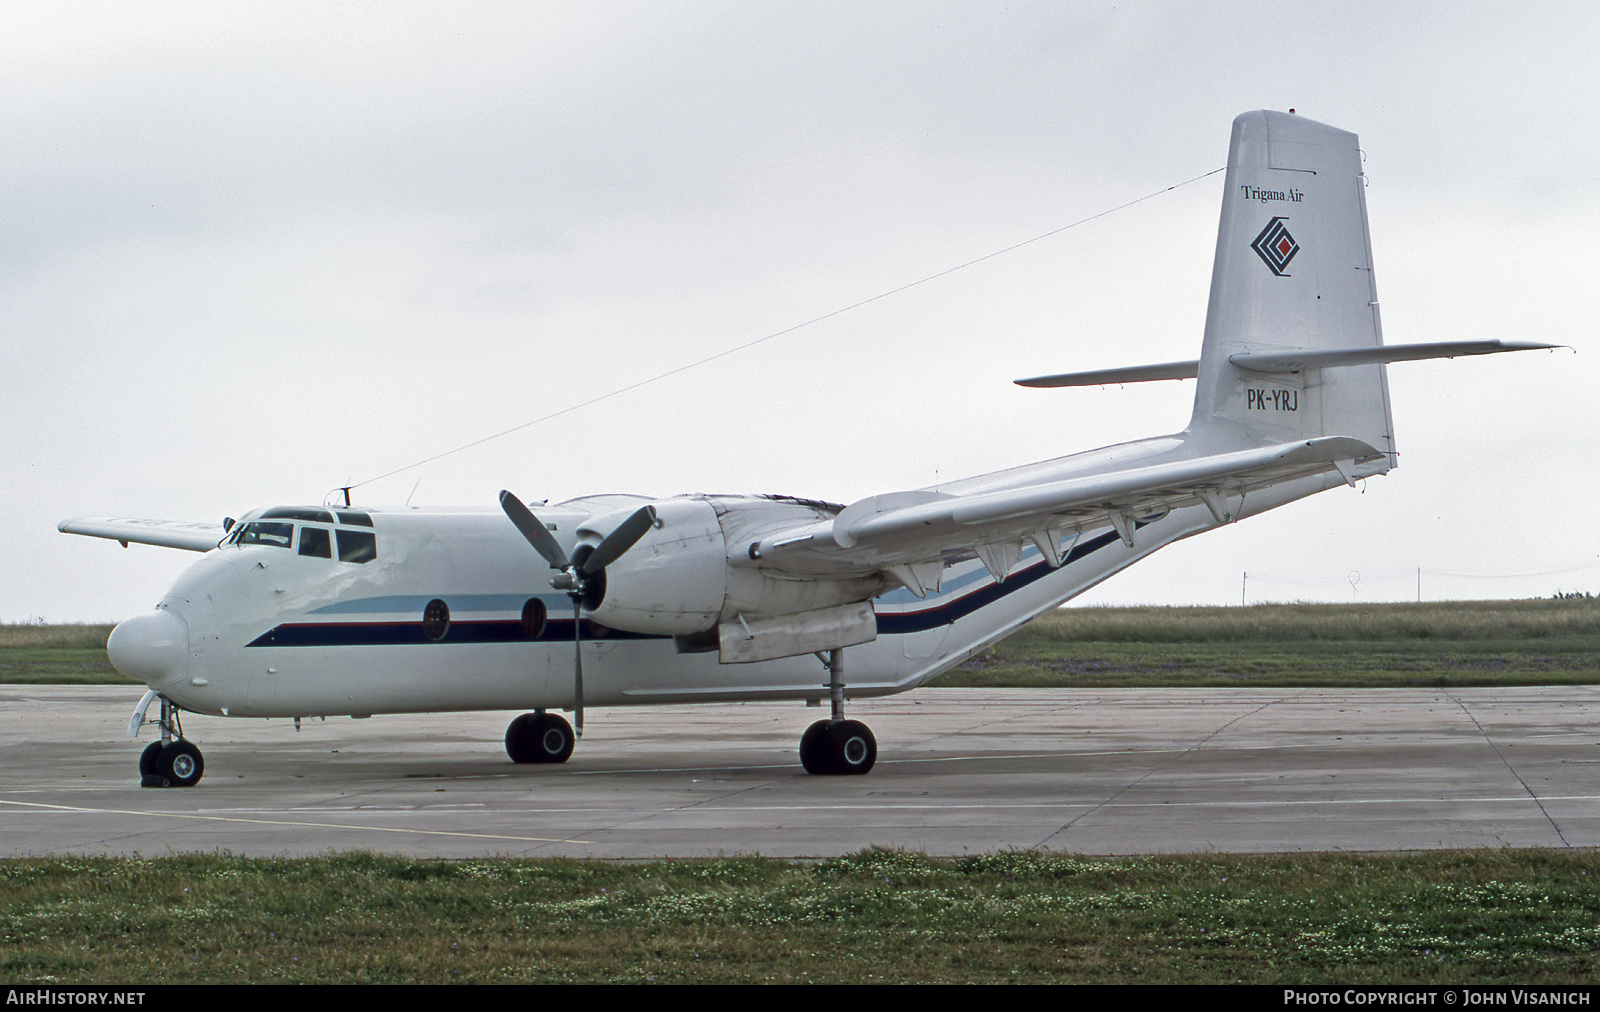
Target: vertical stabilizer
1293,272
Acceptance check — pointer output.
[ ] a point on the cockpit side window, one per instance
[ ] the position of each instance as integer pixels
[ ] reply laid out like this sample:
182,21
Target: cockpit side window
314,541
259,533
357,546
359,519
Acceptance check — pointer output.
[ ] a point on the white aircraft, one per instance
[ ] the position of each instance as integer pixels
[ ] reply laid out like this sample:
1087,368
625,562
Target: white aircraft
318,611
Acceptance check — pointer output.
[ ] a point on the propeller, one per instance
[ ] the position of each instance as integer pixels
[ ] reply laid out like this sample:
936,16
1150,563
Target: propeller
581,574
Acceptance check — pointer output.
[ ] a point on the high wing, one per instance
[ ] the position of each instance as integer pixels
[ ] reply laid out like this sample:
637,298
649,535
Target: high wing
909,534
189,536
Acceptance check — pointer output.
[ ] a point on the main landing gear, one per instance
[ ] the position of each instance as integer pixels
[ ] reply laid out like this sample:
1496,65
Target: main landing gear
172,761
836,745
539,737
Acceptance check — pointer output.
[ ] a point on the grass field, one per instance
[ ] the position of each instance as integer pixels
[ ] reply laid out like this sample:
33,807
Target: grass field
1532,642
56,655
1454,643
879,916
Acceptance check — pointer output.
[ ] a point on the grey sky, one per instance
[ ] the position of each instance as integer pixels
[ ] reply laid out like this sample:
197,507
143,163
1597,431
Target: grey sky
252,253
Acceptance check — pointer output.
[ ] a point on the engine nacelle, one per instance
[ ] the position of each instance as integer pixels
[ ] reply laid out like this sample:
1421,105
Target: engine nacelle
677,580
673,581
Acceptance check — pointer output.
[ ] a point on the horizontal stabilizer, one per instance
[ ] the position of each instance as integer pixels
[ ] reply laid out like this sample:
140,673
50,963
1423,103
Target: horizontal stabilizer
1300,361
189,536
1129,374
1286,362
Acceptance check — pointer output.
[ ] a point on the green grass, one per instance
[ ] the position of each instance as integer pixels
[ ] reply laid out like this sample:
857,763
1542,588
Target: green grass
1460,643
1450,917
56,655
54,637
1456,621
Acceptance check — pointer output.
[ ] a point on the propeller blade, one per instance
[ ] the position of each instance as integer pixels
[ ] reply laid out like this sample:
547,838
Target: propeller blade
537,534
620,540
577,668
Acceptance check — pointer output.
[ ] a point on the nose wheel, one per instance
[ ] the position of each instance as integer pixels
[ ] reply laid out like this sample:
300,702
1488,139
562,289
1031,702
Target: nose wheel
172,761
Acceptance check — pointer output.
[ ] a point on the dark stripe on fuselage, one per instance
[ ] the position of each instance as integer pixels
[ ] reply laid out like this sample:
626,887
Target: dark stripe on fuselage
890,624
382,634
370,634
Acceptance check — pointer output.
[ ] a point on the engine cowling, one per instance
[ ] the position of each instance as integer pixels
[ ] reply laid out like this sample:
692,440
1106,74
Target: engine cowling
678,579
673,581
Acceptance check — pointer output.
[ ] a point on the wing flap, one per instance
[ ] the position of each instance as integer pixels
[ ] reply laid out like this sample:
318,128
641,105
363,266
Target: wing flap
187,535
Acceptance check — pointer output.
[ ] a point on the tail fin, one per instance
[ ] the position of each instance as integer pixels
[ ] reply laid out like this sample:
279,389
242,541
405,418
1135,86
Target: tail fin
1293,273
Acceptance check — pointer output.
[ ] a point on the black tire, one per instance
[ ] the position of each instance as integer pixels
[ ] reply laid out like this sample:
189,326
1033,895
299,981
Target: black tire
518,745
812,753
841,749
539,738
181,764
851,747
149,758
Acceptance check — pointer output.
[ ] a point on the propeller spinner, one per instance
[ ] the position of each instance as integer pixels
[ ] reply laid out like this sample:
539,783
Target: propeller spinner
580,575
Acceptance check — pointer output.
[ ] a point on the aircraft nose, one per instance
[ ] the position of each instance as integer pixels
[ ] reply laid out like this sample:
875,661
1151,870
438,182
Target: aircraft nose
153,647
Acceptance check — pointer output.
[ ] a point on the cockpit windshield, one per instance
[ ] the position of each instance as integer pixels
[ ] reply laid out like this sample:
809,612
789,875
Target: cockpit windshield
314,540
262,533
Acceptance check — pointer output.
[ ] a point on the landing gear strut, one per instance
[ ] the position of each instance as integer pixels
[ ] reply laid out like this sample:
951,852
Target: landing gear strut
172,761
539,737
837,746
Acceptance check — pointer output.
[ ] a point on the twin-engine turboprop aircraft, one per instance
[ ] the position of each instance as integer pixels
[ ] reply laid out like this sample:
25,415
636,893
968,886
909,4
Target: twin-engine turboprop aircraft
316,611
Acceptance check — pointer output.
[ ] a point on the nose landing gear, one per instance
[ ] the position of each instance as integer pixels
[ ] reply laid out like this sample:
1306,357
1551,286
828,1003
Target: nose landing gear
172,761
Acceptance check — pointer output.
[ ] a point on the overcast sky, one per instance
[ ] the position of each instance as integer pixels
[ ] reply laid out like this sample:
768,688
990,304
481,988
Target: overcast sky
252,253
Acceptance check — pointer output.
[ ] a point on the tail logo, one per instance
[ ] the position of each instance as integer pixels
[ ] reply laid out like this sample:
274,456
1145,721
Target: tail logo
1276,247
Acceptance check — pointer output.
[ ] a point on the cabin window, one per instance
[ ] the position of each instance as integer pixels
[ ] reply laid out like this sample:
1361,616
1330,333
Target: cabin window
436,620
357,546
276,535
314,541
533,618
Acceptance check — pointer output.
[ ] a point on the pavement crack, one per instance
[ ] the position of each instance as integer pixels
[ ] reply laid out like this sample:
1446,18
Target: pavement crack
1512,770
1125,788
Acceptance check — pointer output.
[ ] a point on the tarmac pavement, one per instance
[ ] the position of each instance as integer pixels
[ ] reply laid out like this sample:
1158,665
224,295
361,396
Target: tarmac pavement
1093,771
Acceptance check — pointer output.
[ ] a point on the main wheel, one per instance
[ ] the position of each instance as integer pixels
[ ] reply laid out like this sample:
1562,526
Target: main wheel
539,738
149,758
847,747
180,764
851,747
811,750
